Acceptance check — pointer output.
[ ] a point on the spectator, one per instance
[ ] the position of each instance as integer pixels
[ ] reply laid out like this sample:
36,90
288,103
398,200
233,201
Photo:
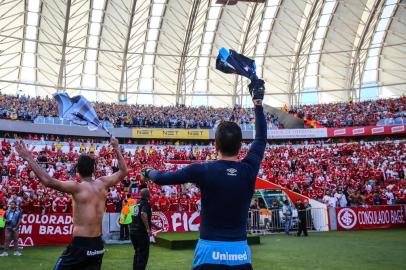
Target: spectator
13,220
287,213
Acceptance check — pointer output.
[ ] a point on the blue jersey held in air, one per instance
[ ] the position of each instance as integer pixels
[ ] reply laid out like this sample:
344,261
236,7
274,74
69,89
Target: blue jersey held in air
226,188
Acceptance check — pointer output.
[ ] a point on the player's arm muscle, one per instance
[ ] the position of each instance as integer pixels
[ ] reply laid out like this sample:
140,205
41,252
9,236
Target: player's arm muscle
113,179
189,174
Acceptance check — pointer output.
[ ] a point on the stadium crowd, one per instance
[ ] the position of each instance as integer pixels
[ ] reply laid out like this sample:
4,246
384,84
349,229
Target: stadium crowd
345,114
27,108
364,173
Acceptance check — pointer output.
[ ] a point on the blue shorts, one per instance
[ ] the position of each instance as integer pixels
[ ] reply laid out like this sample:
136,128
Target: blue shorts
222,255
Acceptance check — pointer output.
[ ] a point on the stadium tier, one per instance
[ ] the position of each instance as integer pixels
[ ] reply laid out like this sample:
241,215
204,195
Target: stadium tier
368,113
26,108
329,173
346,114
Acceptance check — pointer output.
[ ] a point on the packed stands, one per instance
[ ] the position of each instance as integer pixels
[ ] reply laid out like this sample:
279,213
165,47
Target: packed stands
366,173
27,108
345,114
363,173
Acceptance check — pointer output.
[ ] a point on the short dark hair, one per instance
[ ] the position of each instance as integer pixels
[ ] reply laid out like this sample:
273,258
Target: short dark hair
228,138
85,165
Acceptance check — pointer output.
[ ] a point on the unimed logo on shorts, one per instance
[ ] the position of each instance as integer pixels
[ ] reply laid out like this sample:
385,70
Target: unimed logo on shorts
347,218
219,256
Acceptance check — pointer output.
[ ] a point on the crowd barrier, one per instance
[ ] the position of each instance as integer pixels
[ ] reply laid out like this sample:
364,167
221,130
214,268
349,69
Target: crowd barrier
248,132
273,221
56,229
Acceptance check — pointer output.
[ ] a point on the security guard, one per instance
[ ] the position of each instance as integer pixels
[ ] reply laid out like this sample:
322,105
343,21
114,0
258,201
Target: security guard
126,219
140,230
302,214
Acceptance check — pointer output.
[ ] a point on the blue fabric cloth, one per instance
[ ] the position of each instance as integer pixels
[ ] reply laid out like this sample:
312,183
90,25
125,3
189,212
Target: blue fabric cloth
229,61
221,253
78,110
12,218
226,188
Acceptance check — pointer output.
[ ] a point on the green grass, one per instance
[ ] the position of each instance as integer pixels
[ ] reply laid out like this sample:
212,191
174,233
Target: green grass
385,249
180,236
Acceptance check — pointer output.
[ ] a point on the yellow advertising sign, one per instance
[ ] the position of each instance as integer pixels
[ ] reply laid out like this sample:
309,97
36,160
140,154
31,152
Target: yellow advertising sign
172,133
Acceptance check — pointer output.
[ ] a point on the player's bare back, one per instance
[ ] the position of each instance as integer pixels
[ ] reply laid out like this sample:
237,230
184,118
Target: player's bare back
88,208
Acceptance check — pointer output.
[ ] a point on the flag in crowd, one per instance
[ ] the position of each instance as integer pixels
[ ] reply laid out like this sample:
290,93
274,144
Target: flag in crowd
78,110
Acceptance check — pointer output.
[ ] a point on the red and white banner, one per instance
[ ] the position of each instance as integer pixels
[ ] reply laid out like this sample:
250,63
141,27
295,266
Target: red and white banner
177,221
334,132
45,230
373,217
56,229
300,133
365,131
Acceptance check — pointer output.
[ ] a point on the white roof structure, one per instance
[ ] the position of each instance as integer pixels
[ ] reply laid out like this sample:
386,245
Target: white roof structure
163,52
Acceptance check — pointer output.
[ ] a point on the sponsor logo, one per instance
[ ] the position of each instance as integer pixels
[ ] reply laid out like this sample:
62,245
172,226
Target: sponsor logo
232,172
27,242
398,129
347,218
159,219
95,252
339,132
378,130
358,131
147,132
218,256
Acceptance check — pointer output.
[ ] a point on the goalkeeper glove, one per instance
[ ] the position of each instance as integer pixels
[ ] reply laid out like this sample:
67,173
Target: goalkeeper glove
145,173
257,89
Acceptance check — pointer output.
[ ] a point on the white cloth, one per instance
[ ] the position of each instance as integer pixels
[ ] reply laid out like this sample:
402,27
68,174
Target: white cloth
332,202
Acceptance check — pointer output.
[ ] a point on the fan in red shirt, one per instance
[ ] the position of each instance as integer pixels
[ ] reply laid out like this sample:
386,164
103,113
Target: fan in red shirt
12,169
26,205
155,202
46,203
110,205
36,205
192,203
68,201
59,204
174,203
164,203
184,203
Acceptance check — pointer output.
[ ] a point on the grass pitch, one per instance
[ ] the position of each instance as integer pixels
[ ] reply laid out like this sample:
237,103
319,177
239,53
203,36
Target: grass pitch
385,249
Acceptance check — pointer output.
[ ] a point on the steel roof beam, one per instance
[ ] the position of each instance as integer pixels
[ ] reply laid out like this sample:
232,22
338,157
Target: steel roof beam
181,83
122,94
62,67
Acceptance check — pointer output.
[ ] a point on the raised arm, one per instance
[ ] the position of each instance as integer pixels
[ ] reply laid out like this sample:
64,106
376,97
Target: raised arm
68,186
257,149
189,174
113,179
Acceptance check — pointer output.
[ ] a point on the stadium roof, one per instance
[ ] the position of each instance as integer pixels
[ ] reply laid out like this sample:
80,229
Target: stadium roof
163,51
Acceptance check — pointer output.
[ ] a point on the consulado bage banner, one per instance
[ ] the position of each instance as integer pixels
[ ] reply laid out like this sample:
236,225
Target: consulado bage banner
372,217
170,133
56,229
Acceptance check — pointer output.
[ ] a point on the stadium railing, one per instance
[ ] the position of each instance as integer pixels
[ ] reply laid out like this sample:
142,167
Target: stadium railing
60,121
50,120
273,221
